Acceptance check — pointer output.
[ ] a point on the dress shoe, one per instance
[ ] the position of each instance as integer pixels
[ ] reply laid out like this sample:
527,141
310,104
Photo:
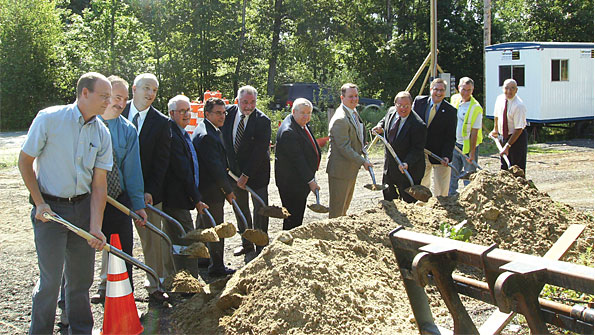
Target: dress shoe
221,273
99,297
158,296
242,250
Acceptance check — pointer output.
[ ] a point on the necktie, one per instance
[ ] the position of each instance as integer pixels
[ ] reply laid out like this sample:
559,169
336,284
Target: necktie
505,121
432,114
394,130
358,125
194,157
114,189
312,143
239,133
135,120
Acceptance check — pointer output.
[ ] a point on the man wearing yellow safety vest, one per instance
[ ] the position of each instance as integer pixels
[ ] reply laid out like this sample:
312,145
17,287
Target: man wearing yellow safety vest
469,117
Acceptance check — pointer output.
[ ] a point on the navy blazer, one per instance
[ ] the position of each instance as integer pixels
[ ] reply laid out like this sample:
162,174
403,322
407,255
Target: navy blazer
179,189
253,156
296,160
408,145
214,181
442,131
155,142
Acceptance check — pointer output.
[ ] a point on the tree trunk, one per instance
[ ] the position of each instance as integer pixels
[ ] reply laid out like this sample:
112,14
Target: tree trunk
274,48
241,54
112,37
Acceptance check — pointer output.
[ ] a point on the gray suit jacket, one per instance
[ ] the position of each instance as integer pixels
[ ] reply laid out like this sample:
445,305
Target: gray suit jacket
345,155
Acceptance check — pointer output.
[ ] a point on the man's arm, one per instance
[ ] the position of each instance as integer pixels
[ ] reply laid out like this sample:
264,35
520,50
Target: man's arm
30,179
98,198
473,143
515,135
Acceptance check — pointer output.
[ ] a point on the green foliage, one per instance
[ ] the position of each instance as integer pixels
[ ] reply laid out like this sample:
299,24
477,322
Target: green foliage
459,233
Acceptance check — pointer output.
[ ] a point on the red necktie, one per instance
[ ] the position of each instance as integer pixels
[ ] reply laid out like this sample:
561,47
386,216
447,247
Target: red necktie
313,145
505,121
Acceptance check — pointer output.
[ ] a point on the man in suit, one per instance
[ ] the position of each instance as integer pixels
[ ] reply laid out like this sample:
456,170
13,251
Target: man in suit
215,185
154,134
247,136
510,121
346,132
441,119
406,133
297,157
180,193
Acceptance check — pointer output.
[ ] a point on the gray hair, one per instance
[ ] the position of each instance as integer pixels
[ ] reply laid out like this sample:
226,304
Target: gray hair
403,94
247,90
145,76
508,81
466,81
172,105
438,81
113,79
87,81
299,104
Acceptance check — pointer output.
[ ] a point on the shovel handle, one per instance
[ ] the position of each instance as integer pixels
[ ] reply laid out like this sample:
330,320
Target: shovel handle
238,211
164,215
497,141
467,157
149,225
208,214
317,194
256,196
394,154
109,248
372,175
428,152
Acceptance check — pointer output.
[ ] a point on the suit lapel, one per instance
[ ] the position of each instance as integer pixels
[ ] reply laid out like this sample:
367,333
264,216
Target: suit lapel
352,122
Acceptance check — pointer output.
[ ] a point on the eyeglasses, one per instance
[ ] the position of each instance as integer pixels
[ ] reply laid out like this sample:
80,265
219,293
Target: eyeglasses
183,111
402,106
219,113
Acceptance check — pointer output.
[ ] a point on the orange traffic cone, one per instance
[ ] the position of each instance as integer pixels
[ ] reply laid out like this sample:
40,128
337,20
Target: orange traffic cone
120,315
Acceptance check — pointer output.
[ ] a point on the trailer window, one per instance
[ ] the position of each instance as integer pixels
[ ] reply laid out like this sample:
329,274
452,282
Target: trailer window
559,69
516,72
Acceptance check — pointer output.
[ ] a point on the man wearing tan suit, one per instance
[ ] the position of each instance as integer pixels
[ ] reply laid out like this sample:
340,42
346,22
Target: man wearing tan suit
346,132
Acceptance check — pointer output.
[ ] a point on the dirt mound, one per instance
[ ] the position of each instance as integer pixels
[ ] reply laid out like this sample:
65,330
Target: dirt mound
182,282
340,277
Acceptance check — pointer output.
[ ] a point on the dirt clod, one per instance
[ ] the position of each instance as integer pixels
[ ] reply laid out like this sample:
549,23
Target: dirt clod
183,282
225,230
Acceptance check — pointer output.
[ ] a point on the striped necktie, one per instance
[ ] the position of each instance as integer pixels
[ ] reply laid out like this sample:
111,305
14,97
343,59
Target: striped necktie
239,133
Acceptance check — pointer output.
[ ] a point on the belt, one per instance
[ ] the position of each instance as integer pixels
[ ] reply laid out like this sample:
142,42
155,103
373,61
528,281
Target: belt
71,200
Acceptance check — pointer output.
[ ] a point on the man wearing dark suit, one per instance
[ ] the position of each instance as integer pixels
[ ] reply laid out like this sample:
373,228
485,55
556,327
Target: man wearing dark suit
181,179
215,185
297,157
441,119
406,133
247,136
154,134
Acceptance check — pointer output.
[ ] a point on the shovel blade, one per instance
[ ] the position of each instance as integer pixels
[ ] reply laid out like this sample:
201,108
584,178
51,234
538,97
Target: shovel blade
318,208
419,192
466,175
225,230
195,250
375,187
274,212
203,235
256,236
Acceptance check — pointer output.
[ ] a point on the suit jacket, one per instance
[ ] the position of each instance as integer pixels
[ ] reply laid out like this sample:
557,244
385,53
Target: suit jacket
296,160
214,181
443,129
408,145
253,156
155,142
179,189
346,146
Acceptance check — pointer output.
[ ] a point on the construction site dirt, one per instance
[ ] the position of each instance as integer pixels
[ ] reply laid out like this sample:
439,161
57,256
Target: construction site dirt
333,276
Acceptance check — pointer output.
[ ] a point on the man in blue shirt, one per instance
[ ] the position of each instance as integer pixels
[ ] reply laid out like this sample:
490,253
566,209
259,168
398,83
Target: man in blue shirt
127,175
73,152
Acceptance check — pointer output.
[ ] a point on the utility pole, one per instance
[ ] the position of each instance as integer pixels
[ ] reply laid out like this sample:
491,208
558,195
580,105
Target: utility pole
433,39
487,39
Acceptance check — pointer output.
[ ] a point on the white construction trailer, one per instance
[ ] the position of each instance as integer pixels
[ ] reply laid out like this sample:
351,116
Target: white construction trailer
555,80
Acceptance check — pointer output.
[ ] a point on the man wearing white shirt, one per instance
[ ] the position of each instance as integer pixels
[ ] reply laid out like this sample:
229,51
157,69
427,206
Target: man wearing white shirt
346,133
154,135
509,125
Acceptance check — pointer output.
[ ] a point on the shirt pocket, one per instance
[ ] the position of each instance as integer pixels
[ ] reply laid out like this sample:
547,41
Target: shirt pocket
90,156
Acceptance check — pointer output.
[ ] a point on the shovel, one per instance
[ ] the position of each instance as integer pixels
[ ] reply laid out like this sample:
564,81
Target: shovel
418,192
428,152
224,230
500,149
202,235
317,207
465,175
255,236
87,236
373,186
265,210
176,249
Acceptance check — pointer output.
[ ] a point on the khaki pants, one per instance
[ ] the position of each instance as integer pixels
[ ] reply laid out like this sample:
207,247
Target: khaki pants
155,250
439,176
340,194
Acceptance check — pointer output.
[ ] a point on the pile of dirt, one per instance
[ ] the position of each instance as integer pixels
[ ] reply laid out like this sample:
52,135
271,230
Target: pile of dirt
340,276
183,282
